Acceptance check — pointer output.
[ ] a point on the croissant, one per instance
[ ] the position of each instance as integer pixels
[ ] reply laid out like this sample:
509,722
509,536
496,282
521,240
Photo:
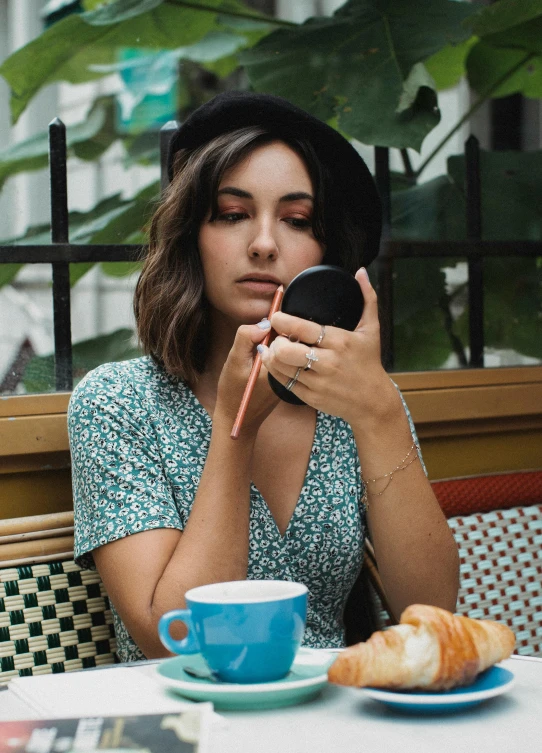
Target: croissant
431,648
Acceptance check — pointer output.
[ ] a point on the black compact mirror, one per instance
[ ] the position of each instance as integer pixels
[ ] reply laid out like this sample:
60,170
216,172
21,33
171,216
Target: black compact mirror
326,295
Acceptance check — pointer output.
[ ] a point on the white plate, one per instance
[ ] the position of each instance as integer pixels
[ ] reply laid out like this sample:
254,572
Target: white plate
491,683
304,681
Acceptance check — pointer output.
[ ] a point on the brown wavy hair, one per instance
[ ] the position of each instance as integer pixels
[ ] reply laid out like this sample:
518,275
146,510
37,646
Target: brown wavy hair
169,302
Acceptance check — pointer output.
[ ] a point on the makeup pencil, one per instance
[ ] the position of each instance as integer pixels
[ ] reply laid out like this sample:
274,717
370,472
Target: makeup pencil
256,366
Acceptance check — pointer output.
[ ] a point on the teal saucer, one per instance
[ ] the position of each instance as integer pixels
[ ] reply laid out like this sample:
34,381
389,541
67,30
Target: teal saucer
305,680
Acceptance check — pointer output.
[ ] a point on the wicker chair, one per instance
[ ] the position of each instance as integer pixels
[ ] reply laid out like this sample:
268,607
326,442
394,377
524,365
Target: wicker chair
54,617
497,522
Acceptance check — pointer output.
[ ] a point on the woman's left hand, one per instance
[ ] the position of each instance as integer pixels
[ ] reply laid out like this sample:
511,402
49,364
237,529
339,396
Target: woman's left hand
346,370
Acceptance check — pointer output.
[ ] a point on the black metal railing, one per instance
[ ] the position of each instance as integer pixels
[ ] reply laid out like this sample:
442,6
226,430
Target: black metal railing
60,253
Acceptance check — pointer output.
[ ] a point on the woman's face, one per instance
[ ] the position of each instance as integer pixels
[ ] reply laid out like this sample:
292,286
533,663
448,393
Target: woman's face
262,236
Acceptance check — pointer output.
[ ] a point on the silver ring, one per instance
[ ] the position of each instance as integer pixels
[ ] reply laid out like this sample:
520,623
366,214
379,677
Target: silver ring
311,358
290,384
321,336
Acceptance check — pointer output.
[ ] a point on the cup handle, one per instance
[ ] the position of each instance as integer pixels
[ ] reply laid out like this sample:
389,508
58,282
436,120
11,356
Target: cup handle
188,645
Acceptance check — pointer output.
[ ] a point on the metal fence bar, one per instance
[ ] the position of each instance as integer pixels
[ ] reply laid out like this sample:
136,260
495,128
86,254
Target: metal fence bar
475,263
69,253
402,249
166,132
385,262
61,269
396,249
61,253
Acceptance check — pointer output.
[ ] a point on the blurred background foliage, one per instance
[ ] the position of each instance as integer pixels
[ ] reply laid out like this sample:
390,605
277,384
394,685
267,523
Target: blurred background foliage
373,70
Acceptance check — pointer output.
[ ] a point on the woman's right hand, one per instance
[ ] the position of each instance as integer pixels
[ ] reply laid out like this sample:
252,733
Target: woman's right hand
234,377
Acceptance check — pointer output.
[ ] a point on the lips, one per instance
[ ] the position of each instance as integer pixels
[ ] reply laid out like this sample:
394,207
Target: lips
260,278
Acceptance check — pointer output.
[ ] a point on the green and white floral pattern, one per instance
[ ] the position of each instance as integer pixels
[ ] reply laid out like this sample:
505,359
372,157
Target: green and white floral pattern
139,440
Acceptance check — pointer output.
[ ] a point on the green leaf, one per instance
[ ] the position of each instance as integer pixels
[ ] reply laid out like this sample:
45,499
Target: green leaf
486,65
447,66
508,58
8,272
434,210
512,306
123,10
39,375
94,134
357,66
420,339
511,200
133,216
116,225
112,220
119,11
68,49
120,268
511,193
503,15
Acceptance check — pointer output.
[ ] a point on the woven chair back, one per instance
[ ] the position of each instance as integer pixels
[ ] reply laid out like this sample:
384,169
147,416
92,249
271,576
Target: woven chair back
497,524
54,617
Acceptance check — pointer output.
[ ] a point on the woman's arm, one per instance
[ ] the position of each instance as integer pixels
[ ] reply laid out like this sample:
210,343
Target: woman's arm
148,573
416,552
415,549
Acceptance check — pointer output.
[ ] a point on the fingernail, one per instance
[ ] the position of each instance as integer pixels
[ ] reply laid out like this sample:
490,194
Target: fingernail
264,324
260,349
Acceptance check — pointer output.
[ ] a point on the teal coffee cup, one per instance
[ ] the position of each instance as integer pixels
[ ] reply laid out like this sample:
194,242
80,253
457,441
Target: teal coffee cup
248,631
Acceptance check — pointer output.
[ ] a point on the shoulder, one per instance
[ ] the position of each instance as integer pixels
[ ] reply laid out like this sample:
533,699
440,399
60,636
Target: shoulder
121,382
115,375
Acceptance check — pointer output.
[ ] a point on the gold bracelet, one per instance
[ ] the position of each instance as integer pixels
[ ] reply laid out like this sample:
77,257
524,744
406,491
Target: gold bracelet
405,462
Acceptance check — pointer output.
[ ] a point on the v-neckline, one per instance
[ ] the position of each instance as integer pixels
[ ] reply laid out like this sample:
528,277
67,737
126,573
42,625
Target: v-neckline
253,488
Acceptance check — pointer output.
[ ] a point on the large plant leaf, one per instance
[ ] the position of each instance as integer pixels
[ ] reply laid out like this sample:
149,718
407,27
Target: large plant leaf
420,337
87,140
8,272
512,306
68,49
123,10
502,16
434,210
447,66
358,66
39,375
82,224
117,225
511,200
511,193
508,58
112,220
487,65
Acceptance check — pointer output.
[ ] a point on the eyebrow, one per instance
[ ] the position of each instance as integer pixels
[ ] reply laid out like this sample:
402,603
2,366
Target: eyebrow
294,196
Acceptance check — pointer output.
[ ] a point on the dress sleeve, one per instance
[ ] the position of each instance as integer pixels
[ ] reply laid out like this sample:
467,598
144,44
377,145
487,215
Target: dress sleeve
119,484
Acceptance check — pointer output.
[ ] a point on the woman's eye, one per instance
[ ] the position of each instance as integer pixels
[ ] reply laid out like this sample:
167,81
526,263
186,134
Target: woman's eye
300,223
231,217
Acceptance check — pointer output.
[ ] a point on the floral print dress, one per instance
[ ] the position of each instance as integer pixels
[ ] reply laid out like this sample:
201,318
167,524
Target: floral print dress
139,440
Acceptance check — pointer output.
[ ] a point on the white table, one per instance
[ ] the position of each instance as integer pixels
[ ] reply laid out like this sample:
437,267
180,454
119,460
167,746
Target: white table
344,720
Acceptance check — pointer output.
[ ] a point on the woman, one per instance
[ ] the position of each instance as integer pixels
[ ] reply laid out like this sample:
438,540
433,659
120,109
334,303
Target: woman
164,499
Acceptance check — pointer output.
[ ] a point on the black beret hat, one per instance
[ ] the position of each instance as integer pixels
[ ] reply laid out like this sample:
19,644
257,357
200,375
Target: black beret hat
349,184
